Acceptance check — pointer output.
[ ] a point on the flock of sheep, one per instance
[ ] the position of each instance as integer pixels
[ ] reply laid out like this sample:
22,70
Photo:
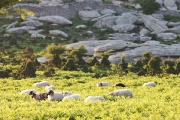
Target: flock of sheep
51,95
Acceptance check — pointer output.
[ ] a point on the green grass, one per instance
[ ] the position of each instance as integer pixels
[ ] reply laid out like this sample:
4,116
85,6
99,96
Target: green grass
161,102
170,18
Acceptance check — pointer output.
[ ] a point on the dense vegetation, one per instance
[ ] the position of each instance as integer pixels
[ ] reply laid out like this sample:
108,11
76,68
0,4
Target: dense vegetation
160,102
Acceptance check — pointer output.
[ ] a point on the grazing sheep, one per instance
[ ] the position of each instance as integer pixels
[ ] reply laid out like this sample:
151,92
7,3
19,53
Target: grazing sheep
101,84
72,96
149,84
27,91
94,98
51,87
119,84
123,92
42,83
38,96
56,96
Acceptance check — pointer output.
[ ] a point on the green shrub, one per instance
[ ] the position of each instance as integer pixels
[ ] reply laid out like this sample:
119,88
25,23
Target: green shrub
148,6
170,18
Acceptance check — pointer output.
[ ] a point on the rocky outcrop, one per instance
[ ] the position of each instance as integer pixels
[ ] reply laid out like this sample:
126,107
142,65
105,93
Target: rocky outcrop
69,10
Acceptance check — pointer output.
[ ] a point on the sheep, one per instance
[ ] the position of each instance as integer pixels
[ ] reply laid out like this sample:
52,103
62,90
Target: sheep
149,84
123,92
27,91
94,98
101,84
56,96
51,87
38,96
42,83
72,96
119,84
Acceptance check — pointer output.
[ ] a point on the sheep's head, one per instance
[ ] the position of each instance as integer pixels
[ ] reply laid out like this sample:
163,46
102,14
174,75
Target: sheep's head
65,94
31,93
50,92
100,84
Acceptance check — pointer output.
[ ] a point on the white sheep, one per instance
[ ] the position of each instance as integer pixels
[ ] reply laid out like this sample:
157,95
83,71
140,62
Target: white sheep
42,83
27,91
56,96
123,92
51,87
94,98
149,84
72,96
101,84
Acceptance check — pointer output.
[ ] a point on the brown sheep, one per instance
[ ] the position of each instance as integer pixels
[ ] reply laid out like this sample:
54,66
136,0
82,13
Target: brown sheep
119,84
38,96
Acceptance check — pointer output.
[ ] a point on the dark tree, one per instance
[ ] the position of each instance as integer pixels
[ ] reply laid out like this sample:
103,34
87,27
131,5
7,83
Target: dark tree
122,66
69,65
153,66
56,51
168,67
93,62
77,54
27,70
177,66
104,62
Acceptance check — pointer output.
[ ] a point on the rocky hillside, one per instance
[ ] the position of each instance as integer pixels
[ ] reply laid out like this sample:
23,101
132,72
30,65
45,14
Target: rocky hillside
133,32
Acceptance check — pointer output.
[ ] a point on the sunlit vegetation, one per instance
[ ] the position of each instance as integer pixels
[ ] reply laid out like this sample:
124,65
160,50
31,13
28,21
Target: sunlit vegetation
160,102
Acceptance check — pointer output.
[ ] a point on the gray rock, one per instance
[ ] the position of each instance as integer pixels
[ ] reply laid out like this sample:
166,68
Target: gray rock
32,23
58,32
88,15
167,36
153,24
170,4
106,22
126,37
144,32
101,17
173,24
81,26
126,18
115,45
175,30
107,11
20,29
55,20
11,25
123,28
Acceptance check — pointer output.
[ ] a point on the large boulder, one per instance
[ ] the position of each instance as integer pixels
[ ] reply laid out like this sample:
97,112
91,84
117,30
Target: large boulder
88,15
126,18
170,4
20,29
153,24
167,36
116,45
32,23
106,22
123,27
56,20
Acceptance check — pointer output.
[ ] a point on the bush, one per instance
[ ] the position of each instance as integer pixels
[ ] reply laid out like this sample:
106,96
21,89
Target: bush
148,6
